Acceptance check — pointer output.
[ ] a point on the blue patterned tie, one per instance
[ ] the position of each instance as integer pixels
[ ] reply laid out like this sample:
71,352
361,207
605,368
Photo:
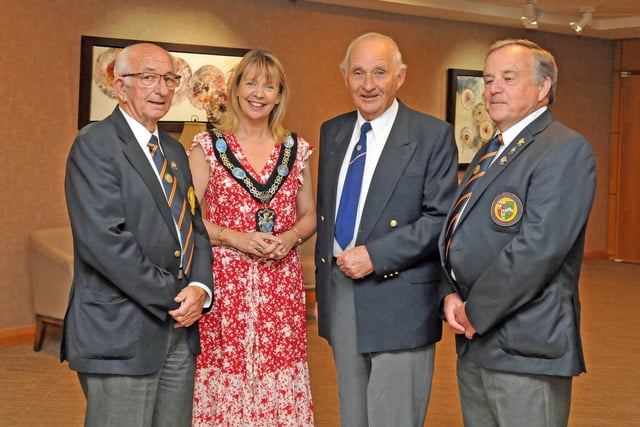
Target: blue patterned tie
479,171
177,202
348,208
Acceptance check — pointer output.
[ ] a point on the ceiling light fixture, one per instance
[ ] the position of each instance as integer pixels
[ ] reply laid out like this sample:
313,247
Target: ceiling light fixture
583,22
530,14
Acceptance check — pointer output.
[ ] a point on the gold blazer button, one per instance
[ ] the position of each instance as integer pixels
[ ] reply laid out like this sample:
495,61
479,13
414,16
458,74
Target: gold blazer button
322,260
393,223
176,254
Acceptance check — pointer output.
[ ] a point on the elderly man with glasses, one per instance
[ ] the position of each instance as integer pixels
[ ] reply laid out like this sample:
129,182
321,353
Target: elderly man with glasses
142,268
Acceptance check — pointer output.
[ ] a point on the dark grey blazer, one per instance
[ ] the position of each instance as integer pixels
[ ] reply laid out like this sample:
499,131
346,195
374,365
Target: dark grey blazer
517,251
411,190
126,252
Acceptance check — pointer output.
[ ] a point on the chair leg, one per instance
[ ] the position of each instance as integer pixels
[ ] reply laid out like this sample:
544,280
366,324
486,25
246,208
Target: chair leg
41,330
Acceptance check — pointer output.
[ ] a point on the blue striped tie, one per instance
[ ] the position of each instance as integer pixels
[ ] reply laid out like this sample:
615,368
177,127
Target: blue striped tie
348,208
177,202
480,170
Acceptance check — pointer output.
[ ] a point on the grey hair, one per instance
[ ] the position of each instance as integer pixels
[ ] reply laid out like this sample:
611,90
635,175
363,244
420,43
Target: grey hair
397,56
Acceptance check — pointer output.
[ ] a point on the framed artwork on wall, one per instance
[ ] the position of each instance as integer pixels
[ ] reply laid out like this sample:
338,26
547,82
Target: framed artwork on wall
201,96
467,113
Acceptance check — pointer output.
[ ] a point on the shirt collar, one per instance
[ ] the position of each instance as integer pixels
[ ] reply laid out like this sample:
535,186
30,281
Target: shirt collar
383,120
140,132
511,133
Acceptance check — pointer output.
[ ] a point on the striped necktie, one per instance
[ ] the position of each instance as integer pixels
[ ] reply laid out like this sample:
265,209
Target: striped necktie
479,171
177,203
348,208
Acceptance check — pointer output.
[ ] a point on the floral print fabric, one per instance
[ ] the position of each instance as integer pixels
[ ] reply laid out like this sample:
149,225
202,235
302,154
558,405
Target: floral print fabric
253,367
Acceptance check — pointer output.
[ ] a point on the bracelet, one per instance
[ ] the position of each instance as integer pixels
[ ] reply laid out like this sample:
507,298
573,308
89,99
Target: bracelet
299,235
219,234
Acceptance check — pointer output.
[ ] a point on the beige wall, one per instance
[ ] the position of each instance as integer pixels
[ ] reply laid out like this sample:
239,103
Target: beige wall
39,85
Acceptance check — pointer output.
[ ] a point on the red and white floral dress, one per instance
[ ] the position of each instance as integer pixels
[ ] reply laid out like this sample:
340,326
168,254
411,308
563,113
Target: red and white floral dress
253,367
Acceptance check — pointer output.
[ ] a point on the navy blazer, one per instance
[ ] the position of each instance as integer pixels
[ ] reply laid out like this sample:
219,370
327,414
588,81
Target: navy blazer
517,251
411,190
126,252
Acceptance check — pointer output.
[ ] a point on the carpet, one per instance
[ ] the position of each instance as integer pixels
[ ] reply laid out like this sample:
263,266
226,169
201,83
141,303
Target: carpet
38,390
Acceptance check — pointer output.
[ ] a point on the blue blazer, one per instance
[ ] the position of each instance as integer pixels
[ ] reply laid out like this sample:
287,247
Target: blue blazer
412,187
126,252
517,251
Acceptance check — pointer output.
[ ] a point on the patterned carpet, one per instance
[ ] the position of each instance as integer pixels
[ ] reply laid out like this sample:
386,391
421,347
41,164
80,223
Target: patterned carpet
37,390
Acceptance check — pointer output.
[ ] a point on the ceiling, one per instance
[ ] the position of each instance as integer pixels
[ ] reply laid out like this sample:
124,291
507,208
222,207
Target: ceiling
611,19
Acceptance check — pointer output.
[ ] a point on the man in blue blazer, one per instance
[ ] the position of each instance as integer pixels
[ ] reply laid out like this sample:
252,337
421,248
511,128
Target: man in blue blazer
512,254
139,285
377,288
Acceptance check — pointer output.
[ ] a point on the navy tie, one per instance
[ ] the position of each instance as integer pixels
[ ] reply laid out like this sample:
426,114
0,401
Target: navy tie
177,203
479,171
348,208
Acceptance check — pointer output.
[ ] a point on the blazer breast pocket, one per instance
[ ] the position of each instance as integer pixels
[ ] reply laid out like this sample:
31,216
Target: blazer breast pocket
405,189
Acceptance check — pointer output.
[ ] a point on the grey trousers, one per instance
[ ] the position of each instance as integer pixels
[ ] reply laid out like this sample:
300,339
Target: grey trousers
163,399
502,399
386,389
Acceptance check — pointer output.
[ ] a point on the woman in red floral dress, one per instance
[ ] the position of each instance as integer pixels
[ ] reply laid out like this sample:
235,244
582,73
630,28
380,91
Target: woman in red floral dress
252,178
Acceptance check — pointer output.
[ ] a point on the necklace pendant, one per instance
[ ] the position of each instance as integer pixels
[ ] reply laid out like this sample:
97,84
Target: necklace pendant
265,220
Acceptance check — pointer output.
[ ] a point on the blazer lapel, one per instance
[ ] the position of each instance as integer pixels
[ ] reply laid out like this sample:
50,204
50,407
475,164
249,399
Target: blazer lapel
139,162
337,151
171,155
394,158
517,146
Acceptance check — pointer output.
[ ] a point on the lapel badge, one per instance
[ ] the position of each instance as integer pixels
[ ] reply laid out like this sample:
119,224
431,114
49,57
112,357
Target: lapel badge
168,178
174,166
191,198
513,150
476,170
503,160
520,142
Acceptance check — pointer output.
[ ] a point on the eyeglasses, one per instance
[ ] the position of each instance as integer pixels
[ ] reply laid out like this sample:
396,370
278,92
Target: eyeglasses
149,79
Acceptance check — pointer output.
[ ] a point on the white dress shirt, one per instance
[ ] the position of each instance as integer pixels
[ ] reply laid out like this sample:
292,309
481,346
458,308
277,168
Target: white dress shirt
143,136
376,139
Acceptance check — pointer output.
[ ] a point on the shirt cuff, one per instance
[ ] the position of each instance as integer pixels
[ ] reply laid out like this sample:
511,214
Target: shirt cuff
207,303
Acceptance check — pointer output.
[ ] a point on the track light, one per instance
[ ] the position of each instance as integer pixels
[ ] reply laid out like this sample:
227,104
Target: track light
585,21
530,14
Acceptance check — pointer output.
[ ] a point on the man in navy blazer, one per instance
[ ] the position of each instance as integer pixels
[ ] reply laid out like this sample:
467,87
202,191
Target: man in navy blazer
378,295
131,329
513,257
